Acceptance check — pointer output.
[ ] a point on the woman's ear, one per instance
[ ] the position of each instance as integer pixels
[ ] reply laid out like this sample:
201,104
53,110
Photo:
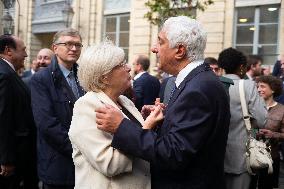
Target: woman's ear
104,79
180,52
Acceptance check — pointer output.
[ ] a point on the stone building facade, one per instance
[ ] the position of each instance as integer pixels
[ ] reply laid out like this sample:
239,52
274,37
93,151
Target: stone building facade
253,26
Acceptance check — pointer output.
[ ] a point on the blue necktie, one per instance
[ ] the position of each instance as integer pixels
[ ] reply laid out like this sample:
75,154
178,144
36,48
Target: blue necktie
72,84
173,91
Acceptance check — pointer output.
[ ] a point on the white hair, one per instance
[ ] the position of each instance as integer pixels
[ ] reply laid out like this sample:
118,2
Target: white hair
188,32
96,61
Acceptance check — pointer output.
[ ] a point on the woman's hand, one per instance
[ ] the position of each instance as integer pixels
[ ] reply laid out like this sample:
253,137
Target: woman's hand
147,109
155,116
269,134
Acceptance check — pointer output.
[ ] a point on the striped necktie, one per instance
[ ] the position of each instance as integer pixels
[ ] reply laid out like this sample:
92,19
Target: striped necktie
72,84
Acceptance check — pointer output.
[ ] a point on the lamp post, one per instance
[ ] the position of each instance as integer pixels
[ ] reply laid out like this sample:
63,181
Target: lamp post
7,20
67,13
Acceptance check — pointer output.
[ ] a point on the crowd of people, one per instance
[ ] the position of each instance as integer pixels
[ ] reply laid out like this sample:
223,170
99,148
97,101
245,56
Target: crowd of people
90,125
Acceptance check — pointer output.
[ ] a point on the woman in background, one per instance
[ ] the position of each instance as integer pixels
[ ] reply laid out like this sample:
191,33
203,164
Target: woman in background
270,87
234,64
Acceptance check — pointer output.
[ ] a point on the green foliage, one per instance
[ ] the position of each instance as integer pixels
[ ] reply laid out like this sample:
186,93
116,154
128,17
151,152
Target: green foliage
163,9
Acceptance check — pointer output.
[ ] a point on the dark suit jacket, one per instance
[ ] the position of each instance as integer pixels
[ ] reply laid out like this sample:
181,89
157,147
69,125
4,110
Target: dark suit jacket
188,149
146,89
17,128
27,74
52,102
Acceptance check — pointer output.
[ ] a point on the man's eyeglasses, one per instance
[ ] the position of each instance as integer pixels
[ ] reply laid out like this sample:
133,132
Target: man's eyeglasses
70,45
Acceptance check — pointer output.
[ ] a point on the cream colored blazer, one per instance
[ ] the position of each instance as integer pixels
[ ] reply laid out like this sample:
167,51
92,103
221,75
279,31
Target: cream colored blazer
97,164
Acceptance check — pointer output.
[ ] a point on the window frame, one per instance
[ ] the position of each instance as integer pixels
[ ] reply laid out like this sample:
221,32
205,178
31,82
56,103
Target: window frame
117,29
256,24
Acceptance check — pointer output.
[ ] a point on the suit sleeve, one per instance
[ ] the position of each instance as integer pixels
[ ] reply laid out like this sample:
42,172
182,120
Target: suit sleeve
47,120
7,137
95,145
176,148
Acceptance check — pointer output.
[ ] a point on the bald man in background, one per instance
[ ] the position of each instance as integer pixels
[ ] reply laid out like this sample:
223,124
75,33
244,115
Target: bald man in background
43,59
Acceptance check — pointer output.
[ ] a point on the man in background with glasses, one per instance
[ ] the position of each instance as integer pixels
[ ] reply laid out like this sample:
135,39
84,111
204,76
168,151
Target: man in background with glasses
54,91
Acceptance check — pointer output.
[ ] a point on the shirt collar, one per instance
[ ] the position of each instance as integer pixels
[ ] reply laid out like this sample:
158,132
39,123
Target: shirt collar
186,70
11,65
64,70
138,75
250,78
272,105
32,71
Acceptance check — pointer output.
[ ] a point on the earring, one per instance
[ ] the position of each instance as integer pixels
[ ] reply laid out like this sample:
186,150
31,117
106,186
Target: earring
241,71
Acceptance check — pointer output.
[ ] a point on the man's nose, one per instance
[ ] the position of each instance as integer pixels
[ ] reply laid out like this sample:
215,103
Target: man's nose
154,49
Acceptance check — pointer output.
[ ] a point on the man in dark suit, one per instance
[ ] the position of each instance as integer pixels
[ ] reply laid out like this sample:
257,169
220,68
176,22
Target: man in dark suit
34,69
146,87
187,150
17,129
54,91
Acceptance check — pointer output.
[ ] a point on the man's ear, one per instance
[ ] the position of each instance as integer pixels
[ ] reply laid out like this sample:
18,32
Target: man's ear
8,51
180,52
54,48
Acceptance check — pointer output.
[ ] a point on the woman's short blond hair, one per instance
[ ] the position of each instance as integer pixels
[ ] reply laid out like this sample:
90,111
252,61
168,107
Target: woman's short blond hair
96,61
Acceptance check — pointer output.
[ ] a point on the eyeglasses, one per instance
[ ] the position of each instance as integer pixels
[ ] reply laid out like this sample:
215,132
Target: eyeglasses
122,64
70,45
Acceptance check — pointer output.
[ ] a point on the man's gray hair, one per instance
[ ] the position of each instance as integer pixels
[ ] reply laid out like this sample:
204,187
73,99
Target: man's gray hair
96,61
188,32
66,32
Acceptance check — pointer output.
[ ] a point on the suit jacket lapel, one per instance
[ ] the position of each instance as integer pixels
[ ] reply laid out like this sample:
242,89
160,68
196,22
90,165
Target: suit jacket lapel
106,100
203,67
8,69
60,81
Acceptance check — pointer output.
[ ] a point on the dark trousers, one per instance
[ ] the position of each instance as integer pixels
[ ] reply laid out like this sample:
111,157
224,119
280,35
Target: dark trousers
47,186
263,180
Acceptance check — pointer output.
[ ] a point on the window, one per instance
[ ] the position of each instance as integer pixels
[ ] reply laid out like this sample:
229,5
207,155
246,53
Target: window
256,31
116,28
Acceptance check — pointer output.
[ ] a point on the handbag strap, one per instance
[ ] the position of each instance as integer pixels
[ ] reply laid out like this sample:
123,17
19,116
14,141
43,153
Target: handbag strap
246,115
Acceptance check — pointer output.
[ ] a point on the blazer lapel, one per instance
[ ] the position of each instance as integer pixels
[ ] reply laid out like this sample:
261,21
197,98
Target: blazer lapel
8,69
60,81
132,109
203,67
106,100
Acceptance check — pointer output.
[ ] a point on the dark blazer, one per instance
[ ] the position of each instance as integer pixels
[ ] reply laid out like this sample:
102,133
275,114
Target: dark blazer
188,149
52,102
146,89
17,128
27,74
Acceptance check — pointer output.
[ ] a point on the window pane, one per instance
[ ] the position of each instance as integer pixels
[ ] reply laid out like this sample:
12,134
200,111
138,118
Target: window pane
246,50
110,24
111,36
124,39
266,50
244,35
124,24
268,34
246,15
126,51
269,14
268,53
270,60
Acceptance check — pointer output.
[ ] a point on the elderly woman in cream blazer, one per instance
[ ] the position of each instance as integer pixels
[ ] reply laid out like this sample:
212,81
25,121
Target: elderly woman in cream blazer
104,74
